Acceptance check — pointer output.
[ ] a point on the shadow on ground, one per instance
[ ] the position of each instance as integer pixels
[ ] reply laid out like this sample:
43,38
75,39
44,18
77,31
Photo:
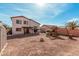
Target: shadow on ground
61,38
22,36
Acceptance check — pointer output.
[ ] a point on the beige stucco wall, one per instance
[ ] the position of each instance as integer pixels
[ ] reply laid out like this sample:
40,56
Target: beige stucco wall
3,37
14,25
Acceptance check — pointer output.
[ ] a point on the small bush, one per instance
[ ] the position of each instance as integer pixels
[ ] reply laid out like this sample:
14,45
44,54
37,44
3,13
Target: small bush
48,33
41,40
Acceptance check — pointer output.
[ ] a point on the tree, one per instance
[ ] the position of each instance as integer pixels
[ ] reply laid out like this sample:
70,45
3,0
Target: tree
8,28
71,25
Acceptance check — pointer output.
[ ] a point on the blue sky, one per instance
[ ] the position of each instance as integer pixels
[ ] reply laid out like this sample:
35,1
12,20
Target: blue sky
52,13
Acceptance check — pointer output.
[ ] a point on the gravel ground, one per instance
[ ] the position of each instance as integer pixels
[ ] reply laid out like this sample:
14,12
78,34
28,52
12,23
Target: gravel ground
31,46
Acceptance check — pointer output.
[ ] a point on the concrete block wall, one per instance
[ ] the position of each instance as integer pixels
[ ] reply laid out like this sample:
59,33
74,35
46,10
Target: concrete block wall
3,37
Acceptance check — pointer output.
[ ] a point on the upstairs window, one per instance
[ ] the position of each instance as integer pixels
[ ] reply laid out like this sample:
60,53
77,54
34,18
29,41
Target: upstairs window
18,21
26,22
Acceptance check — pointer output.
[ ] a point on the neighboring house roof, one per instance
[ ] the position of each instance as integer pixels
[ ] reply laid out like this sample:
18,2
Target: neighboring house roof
25,18
48,27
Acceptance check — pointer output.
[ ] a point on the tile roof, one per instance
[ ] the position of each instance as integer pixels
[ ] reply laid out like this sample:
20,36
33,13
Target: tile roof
25,18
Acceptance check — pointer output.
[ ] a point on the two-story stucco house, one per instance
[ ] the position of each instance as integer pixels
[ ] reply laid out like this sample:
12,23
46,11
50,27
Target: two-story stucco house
23,25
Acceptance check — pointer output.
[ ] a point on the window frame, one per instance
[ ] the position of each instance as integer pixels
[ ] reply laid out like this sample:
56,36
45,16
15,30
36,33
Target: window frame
26,22
18,29
18,22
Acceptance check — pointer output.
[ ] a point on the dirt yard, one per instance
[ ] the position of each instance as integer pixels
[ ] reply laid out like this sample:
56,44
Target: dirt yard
31,46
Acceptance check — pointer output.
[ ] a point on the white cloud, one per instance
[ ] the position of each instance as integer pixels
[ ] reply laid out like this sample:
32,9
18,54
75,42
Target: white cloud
21,10
55,9
5,19
36,12
58,8
4,15
73,19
